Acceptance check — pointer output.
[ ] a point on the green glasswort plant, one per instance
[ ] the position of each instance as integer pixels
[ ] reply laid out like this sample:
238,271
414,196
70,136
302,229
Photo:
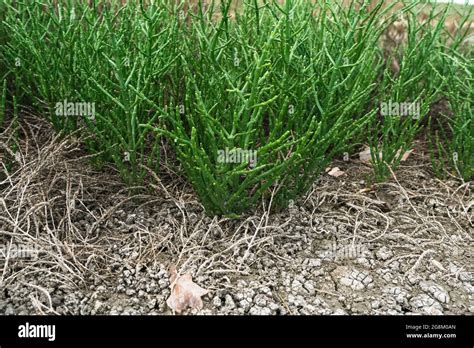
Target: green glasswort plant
9,130
255,99
451,136
407,94
288,83
462,142
3,103
90,66
452,141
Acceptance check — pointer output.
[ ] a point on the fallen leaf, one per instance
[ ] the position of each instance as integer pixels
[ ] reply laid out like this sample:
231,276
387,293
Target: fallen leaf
364,155
406,155
336,172
184,292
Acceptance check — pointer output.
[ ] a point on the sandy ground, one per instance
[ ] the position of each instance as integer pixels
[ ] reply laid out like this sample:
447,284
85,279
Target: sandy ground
348,247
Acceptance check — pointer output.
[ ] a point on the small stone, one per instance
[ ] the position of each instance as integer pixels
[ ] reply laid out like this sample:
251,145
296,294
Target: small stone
151,304
97,305
383,253
260,300
309,287
375,304
363,262
436,291
413,279
296,285
245,304
273,306
217,301
229,302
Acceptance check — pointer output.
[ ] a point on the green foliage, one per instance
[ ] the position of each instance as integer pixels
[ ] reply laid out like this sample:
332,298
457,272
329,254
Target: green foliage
3,103
9,131
280,82
406,94
288,87
78,54
452,137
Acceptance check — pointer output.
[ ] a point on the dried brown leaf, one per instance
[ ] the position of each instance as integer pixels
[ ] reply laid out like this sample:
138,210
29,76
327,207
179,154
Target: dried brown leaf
335,172
406,155
184,292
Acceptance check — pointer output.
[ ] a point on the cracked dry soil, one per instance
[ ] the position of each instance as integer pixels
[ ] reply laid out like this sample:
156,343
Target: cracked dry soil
348,247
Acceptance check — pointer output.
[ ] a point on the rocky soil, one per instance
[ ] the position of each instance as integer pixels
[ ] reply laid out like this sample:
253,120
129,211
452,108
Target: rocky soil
348,247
